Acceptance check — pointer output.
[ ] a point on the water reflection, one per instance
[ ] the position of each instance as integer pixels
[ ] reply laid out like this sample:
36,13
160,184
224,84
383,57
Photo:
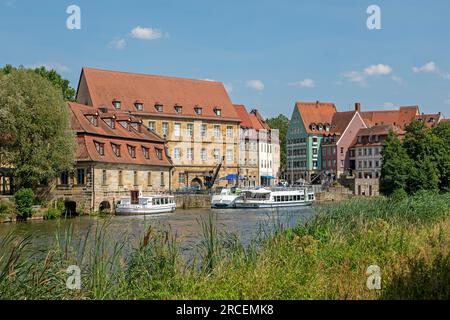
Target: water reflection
185,224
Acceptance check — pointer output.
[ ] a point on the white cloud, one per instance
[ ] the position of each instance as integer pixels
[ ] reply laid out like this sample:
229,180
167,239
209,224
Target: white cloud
429,67
146,33
355,77
306,83
58,67
255,85
360,77
118,44
397,79
378,70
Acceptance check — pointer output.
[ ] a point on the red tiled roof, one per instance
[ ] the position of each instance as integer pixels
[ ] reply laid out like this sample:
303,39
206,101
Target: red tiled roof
400,117
260,119
430,120
445,120
382,130
88,134
244,116
255,122
106,86
340,121
315,112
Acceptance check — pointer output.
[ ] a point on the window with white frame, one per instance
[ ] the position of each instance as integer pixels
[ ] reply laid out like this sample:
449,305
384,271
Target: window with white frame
177,129
177,153
217,131
230,132
165,128
230,155
203,154
204,130
190,129
190,154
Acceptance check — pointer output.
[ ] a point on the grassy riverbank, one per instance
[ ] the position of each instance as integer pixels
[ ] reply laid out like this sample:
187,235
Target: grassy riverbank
327,258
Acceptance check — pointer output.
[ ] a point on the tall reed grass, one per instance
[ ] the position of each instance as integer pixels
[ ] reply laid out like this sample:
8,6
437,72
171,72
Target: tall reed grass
324,258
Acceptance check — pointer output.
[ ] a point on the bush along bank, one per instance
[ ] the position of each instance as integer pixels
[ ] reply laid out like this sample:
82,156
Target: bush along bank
407,238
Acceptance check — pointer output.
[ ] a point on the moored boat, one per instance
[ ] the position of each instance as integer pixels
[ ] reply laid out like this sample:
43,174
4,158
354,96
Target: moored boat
226,198
275,198
147,205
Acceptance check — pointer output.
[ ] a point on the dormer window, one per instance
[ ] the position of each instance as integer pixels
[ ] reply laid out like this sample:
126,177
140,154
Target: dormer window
198,111
124,124
313,127
359,139
431,120
132,151
139,106
93,119
320,127
159,107
116,149
117,104
135,126
100,147
111,122
178,109
218,112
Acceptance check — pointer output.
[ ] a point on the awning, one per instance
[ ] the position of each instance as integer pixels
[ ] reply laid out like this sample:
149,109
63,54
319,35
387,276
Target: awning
231,177
267,177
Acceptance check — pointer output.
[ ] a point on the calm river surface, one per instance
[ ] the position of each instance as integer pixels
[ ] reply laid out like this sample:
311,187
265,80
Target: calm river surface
185,224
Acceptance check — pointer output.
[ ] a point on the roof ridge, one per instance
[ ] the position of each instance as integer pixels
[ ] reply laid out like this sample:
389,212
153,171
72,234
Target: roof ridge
151,75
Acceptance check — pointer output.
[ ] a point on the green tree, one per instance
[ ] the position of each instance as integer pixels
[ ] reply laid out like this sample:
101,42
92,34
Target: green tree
282,124
35,128
442,132
424,175
64,85
396,166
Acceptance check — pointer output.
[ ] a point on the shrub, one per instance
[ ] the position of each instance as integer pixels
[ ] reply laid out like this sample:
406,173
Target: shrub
24,199
52,213
7,209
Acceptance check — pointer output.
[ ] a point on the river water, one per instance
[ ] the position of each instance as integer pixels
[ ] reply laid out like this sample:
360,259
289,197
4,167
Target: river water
184,224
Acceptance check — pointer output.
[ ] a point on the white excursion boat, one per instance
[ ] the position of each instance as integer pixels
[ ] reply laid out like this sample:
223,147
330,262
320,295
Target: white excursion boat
275,198
146,205
226,198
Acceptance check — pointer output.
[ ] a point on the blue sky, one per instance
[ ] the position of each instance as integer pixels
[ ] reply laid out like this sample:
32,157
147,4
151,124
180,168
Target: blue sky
268,53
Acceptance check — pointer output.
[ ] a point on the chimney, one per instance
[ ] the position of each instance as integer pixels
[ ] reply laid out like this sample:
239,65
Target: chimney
358,107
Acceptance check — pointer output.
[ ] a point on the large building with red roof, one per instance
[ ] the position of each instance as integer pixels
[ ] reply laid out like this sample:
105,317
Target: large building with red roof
196,118
259,149
116,156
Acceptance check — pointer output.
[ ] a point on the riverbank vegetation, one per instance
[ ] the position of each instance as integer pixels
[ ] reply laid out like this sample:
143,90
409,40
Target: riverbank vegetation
325,258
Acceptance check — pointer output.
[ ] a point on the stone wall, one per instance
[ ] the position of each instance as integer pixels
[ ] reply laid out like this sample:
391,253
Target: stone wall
192,201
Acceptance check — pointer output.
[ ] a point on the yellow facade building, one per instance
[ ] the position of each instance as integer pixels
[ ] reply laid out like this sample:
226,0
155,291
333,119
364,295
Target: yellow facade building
195,117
